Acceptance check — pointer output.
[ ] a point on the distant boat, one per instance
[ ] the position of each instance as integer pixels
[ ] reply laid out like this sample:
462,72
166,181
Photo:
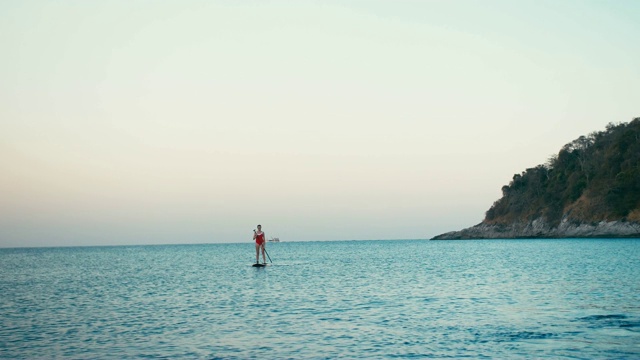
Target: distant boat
274,239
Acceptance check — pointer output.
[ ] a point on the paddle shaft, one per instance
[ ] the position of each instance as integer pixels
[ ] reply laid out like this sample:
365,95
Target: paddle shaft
265,251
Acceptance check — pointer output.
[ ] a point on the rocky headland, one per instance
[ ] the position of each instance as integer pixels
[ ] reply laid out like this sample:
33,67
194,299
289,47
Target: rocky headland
591,188
539,228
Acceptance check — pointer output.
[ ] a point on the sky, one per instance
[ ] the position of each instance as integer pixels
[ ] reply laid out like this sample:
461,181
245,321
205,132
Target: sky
169,122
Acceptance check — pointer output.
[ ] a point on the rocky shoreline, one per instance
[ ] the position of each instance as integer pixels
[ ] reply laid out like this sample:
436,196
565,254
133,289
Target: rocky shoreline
539,228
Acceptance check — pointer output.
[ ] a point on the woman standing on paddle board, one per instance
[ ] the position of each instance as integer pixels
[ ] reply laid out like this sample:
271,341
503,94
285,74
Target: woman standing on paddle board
260,239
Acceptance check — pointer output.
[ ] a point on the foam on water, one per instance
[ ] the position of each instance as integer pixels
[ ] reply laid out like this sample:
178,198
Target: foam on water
382,299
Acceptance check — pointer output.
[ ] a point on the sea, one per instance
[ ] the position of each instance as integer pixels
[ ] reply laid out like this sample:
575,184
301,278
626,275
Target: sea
481,299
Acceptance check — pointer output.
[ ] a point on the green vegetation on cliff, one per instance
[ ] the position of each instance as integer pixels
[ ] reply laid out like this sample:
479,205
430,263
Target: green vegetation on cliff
591,179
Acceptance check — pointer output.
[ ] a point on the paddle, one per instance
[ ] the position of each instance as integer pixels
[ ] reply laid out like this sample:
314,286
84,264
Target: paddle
265,251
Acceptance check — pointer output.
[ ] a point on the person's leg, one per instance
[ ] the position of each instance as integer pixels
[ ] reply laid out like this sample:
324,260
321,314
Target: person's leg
264,256
257,254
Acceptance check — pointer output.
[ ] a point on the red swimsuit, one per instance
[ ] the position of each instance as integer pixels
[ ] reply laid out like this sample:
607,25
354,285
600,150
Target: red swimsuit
260,239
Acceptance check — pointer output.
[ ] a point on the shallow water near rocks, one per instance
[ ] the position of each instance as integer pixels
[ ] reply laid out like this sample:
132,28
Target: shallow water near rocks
570,298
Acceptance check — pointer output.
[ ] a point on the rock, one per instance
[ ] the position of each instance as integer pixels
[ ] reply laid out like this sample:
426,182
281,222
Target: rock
539,228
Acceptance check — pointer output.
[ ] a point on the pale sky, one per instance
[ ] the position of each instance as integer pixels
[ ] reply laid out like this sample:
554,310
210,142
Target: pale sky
152,122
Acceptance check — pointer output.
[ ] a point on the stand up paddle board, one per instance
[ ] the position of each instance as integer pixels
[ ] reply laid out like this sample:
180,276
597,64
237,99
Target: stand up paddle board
259,265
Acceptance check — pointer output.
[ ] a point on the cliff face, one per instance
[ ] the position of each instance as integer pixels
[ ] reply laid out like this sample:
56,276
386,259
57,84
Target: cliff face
591,188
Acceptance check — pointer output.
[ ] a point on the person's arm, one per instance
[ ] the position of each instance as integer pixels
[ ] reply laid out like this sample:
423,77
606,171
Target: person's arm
254,235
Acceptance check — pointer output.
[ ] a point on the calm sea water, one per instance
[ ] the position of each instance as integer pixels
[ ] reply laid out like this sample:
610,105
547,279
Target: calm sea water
352,299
